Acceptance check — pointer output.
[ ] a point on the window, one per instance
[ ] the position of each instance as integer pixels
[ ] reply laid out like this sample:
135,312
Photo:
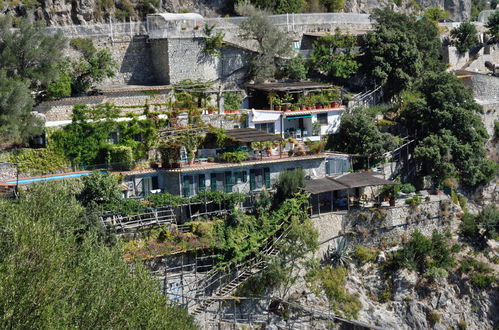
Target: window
201,182
266,127
188,186
240,177
337,165
322,118
259,178
154,183
217,181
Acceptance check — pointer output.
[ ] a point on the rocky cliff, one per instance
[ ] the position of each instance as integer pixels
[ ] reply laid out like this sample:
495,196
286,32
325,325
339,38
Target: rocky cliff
64,12
459,9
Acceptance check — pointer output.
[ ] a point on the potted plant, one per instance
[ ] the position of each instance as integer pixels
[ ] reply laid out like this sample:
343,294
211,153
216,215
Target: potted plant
267,146
391,192
211,110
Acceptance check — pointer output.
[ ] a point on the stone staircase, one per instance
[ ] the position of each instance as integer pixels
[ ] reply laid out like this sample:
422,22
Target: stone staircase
241,273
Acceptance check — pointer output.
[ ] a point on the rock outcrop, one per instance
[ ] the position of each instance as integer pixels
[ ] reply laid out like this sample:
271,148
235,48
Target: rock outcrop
64,12
459,9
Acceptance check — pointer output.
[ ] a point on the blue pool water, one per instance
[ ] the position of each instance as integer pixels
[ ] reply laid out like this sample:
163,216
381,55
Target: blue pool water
49,178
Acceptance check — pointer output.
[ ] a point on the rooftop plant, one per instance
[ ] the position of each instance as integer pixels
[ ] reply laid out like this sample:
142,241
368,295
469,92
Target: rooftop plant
234,156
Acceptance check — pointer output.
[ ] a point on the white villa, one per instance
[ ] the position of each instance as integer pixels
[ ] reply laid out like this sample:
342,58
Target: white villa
299,124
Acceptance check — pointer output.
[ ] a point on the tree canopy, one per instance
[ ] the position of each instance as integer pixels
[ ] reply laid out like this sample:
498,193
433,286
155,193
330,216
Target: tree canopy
464,37
358,134
393,52
444,118
334,55
272,42
493,25
56,272
28,62
29,53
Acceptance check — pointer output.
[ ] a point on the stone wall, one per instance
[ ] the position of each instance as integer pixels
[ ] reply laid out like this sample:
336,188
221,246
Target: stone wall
370,227
132,55
176,59
130,102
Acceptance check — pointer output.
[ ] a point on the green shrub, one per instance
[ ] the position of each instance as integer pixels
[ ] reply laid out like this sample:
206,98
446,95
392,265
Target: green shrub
364,254
234,156
481,275
433,317
468,227
385,296
462,325
121,158
60,87
39,161
202,228
331,280
407,188
296,68
496,129
413,201
83,45
232,101
482,281
436,274
166,199
421,253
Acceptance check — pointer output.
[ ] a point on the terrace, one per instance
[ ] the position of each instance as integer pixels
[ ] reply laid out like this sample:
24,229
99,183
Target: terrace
299,110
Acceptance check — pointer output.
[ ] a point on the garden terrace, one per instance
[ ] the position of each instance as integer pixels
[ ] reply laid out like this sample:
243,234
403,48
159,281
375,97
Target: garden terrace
292,95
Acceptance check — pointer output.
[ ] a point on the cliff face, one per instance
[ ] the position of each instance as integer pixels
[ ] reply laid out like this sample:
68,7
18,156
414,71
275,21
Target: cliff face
459,9
64,12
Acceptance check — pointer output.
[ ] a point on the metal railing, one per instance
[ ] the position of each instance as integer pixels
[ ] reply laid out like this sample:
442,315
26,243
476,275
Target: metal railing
287,21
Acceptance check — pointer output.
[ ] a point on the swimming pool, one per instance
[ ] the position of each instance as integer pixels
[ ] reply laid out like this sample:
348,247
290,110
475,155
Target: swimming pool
48,178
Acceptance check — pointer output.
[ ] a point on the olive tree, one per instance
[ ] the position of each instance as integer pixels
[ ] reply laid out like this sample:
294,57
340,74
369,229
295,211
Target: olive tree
272,42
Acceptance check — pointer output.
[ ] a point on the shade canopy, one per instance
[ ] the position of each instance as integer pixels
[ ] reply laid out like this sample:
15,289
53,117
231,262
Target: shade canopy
345,181
288,86
361,179
249,135
265,116
323,185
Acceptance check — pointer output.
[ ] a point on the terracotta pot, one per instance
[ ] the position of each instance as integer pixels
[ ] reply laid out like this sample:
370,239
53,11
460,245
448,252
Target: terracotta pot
278,107
392,201
302,107
211,111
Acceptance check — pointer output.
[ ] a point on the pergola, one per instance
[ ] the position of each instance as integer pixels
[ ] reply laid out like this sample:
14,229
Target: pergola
343,182
248,135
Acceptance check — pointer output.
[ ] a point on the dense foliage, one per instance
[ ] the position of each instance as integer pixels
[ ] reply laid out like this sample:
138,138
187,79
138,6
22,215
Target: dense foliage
436,14
358,134
20,75
86,140
493,26
399,51
57,273
296,68
334,55
424,254
288,183
443,117
478,228
464,37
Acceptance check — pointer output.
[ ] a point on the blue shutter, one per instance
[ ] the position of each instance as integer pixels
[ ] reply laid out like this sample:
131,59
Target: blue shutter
244,176
266,177
186,187
201,182
213,181
252,180
229,182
